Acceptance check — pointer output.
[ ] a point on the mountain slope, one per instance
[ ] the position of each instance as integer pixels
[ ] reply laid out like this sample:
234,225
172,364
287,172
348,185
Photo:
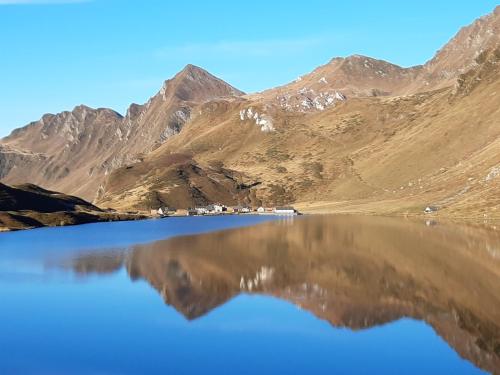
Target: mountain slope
32,197
361,76
394,155
74,151
173,180
357,134
342,78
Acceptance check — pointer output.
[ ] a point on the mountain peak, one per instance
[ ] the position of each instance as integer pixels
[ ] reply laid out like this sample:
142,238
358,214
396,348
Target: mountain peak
190,68
193,72
81,108
357,57
368,61
196,84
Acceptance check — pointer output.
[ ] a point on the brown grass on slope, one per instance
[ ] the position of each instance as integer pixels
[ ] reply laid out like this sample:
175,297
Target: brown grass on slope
371,155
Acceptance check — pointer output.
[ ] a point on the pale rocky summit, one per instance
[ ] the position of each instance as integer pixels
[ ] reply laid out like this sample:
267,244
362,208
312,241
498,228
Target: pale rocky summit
362,76
342,78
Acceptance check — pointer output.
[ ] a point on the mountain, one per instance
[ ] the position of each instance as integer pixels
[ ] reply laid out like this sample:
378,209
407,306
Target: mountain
74,151
30,206
32,197
393,154
460,54
351,77
355,135
173,180
352,278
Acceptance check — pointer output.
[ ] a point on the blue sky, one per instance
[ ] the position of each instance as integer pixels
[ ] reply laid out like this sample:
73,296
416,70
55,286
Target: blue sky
56,54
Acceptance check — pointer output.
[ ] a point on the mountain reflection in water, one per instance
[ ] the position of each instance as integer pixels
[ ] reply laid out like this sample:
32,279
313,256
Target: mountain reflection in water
355,272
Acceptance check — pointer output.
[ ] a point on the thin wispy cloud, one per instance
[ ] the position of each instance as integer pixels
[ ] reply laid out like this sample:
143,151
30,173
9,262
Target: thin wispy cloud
40,2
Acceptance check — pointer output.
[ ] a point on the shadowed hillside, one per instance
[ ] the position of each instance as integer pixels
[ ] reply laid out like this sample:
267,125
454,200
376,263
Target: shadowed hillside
30,206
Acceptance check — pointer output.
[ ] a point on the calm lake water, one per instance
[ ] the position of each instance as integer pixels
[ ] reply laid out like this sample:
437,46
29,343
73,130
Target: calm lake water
245,295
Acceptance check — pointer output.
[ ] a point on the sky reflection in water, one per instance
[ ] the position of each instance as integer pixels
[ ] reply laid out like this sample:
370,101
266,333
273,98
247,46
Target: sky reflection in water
309,295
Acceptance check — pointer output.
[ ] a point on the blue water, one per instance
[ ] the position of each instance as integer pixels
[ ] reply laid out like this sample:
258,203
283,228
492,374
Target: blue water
53,321
116,234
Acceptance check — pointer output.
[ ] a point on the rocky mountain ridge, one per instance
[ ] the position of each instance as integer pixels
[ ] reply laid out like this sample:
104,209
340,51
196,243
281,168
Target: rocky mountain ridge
385,154
345,136
74,151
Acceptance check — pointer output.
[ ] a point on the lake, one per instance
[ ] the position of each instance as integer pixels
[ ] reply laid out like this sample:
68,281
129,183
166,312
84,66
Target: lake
251,294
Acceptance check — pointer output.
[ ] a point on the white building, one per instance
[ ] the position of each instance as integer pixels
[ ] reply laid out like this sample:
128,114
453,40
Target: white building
162,211
242,209
285,211
219,207
430,209
261,210
201,210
